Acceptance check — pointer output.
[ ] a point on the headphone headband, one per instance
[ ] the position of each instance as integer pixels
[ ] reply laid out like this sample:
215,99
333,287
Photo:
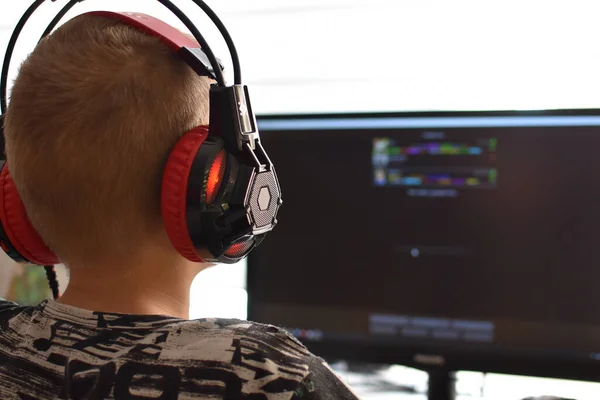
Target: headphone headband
206,57
152,26
181,44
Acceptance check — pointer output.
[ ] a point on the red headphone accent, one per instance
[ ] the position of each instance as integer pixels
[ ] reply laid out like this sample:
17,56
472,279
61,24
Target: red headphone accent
170,36
17,228
174,191
215,177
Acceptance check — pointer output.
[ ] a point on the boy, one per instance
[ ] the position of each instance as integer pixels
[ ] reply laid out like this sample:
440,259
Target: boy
94,112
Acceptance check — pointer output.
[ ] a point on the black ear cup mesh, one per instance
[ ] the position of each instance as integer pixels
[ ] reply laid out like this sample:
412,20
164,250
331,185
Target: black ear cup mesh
264,199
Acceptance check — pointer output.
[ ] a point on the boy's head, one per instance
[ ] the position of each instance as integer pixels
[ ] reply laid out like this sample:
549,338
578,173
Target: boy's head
93,115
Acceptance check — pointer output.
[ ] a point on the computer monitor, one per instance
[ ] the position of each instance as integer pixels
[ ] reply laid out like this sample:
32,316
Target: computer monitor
443,241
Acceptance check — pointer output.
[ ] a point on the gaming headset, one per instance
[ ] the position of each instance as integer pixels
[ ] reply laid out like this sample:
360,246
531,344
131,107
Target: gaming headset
219,189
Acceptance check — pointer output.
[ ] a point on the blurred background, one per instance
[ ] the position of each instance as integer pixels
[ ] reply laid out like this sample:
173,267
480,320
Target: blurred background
356,56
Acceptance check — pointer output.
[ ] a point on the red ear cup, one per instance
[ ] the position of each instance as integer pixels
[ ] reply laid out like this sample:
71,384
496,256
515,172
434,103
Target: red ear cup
174,190
19,231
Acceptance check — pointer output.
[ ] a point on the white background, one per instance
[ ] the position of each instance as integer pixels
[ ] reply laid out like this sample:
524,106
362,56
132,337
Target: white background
318,56
374,55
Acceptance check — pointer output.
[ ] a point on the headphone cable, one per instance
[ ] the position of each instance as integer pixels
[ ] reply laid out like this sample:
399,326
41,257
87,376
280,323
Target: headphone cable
237,70
198,36
52,281
58,17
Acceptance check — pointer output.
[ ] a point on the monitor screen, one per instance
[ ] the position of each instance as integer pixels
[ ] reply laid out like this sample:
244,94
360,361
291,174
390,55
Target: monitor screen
454,240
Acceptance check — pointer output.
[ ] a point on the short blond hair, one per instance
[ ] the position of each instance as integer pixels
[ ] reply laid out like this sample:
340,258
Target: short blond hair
94,112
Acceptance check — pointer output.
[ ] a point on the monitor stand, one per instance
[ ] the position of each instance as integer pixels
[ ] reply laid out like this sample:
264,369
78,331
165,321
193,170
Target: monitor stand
442,385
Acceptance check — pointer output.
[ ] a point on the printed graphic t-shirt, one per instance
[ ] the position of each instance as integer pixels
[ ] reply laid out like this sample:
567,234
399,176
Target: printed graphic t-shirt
54,351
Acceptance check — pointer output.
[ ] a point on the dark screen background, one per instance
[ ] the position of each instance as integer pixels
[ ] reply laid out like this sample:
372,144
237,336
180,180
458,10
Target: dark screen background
529,246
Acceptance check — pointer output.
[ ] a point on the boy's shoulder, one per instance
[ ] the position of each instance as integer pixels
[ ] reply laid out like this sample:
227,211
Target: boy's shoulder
240,356
238,336
8,309
226,358
246,346
267,358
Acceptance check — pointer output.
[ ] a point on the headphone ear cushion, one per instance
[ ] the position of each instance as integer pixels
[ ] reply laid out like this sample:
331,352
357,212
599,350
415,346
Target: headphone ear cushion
174,191
19,231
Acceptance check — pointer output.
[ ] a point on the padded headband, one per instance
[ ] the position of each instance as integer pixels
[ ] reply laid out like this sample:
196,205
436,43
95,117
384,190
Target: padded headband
170,36
187,48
